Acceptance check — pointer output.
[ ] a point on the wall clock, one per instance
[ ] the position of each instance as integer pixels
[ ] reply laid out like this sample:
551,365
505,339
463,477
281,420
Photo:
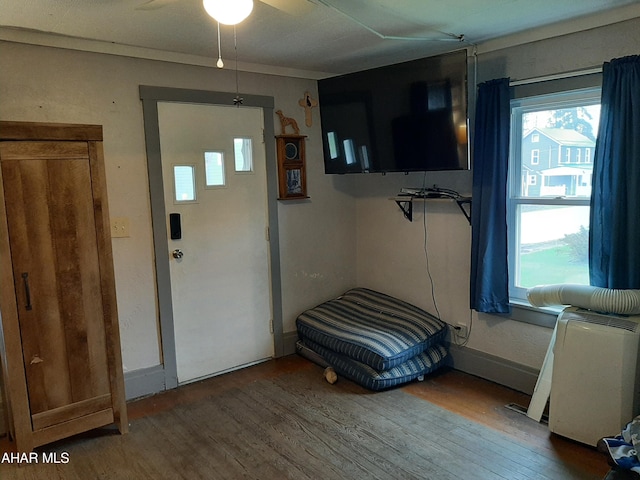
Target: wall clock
292,175
291,150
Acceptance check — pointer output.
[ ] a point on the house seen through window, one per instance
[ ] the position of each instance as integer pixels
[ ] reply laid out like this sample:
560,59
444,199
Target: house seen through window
550,175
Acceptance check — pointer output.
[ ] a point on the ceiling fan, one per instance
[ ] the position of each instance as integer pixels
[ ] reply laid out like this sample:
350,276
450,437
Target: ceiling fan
301,7
292,7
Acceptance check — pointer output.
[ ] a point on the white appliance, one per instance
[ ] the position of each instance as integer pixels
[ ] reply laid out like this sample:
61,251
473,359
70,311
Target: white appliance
595,382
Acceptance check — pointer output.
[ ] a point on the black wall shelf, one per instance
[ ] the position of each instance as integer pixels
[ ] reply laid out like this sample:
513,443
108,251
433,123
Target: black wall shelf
405,202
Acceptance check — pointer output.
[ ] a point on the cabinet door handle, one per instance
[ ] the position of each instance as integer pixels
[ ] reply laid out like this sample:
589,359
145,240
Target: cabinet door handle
27,291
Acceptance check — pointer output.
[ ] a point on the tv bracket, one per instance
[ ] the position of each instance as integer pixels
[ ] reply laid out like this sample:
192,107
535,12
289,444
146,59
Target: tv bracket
405,201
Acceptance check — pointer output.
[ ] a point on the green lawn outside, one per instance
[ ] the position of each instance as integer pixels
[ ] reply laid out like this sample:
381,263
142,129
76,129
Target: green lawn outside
552,265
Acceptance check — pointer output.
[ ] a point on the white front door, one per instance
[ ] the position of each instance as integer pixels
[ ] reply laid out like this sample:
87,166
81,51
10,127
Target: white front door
214,176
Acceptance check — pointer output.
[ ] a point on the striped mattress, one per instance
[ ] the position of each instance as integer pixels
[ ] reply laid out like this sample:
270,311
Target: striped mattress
372,328
416,367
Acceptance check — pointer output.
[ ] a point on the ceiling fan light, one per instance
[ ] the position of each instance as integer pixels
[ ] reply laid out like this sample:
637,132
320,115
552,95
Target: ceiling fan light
228,12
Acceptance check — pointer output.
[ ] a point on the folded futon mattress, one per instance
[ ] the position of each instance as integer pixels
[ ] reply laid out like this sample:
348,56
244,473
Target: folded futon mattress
414,368
370,327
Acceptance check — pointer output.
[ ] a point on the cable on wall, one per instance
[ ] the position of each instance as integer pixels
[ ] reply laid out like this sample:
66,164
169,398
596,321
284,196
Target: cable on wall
426,249
453,329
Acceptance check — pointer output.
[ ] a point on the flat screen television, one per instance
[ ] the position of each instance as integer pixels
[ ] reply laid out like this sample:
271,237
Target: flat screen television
406,117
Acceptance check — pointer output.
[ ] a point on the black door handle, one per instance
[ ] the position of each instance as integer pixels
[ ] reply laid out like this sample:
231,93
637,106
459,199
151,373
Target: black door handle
27,291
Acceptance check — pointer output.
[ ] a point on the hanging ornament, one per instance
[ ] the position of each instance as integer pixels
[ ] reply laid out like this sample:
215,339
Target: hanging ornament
307,102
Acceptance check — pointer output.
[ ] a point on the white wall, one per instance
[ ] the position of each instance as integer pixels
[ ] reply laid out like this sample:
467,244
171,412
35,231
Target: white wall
391,253
43,84
320,239
390,249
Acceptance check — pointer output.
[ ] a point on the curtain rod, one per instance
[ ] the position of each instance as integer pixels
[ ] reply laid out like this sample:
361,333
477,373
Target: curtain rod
557,76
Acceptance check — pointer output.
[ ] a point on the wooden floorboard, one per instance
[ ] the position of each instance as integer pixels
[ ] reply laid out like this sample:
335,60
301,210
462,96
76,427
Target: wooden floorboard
281,420
483,402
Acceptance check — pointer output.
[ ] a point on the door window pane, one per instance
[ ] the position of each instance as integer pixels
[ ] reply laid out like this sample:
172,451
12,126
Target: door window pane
184,181
243,154
214,169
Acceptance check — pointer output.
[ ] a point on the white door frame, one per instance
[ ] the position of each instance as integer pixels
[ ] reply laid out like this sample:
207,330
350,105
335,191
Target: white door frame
150,97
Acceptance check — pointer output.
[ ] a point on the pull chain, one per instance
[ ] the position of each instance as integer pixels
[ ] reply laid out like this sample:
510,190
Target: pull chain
219,63
238,100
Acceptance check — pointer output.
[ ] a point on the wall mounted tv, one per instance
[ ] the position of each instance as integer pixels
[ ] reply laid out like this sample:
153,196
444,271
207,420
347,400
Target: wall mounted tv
406,117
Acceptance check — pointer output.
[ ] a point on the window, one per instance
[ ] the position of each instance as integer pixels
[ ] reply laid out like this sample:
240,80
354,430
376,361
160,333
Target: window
214,169
548,221
243,154
535,157
184,183
535,138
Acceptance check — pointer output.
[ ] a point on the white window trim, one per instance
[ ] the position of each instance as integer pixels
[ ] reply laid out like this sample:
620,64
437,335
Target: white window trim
518,108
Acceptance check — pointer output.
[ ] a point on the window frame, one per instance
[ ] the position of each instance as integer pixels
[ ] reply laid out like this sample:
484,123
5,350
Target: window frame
523,311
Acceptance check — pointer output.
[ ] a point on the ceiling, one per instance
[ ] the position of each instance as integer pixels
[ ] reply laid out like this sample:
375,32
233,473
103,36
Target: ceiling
322,37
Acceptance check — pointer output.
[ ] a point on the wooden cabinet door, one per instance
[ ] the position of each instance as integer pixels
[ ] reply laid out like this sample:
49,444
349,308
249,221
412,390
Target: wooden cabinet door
52,219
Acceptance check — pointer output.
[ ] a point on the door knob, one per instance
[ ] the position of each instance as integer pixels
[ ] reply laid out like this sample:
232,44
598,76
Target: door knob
177,253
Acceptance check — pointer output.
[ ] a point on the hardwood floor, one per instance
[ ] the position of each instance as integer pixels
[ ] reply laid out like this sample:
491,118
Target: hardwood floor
280,419
485,403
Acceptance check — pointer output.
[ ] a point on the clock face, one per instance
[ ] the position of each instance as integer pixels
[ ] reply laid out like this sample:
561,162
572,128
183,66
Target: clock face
291,151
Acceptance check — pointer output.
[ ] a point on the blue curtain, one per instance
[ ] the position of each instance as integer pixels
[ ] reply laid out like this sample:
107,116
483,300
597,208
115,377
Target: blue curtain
489,268
614,232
